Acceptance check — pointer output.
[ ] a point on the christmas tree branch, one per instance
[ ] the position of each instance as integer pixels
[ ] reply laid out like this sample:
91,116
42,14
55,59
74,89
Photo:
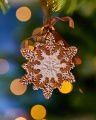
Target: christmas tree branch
2,7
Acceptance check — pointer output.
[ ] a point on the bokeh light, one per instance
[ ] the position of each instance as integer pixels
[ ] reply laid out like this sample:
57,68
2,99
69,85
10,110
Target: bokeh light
17,88
81,91
66,88
4,66
11,113
20,118
23,14
38,112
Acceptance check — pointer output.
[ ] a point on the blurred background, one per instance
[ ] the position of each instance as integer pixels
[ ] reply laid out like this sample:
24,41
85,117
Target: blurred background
80,104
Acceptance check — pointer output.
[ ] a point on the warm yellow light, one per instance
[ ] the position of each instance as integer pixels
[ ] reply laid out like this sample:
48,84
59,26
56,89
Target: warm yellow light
4,66
38,112
23,14
66,87
81,91
20,118
17,88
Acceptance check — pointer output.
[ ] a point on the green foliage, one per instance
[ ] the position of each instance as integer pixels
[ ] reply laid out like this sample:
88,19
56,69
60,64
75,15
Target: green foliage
74,5
4,6
69,6
55,5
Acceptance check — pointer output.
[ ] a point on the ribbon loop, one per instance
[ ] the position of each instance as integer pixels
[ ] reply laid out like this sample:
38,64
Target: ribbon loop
64,19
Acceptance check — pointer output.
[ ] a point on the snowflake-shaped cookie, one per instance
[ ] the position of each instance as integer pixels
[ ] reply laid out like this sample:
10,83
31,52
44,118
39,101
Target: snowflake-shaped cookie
48,65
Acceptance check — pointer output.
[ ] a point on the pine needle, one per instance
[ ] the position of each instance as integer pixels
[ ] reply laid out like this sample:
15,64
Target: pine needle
55,5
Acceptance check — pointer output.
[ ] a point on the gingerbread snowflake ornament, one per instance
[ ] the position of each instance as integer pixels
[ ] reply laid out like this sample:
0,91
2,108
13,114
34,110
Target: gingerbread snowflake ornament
49,64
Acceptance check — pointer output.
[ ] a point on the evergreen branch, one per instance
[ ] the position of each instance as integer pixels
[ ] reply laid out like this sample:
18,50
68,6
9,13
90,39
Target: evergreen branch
55,5
4,5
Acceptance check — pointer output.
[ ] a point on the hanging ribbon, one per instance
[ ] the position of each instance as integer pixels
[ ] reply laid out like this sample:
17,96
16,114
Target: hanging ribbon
64,19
